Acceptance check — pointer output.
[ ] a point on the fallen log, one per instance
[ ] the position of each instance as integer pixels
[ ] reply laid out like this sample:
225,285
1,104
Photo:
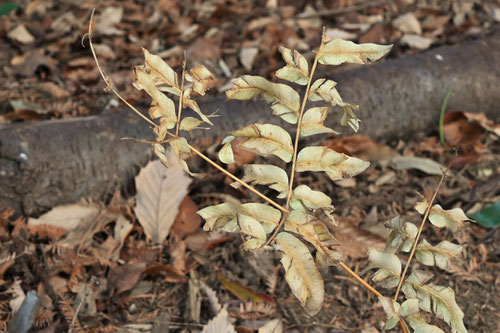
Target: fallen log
43,164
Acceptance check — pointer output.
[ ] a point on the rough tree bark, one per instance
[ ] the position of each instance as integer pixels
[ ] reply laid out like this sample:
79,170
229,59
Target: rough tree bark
43,164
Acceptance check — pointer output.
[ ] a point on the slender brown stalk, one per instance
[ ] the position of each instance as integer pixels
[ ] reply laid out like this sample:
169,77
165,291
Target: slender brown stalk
181,95
174,136
413,249
105,77
296,144
236,179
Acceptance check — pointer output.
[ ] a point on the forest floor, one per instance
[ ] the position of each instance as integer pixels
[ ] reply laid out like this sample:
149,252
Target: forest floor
105,261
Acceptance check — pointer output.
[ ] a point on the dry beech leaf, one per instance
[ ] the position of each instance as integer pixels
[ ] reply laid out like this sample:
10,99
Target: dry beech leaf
265,140
442,299
285,101
220,323
125,277
301,273
68,217
336,165
160,191
452,219
273,176
426,165
312,122
339,51
296,69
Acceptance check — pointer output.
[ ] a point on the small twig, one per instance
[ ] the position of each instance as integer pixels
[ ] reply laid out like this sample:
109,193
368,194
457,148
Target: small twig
414,247
296,144
174,136
82,301
147,141
105,77
181,94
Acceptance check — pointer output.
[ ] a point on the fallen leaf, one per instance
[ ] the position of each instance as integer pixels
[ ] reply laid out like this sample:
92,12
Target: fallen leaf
245,294
362,147
463,129
416,42
21,34
170,273
247,57
187,221
67,217
219,324
105,22
206,240
125,277
160,191
426,165
407,23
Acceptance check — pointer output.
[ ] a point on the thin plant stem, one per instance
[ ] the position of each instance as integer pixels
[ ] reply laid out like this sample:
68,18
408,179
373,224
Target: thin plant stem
365,284
414,247
441,116
296,144
236,179
175,136
105,77
181,95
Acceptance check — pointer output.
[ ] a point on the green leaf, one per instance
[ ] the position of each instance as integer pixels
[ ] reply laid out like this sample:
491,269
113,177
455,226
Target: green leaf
265,140
226,154
402,235
393,311
443,299
162,106
452,219
339,51
439,255
273,176
315,232
7,7
296,69
389,267
285,101
336,165
312,122
488,217
189,124
220,217
301,273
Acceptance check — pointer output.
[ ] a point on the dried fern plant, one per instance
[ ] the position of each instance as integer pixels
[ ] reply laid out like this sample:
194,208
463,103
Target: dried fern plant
304,213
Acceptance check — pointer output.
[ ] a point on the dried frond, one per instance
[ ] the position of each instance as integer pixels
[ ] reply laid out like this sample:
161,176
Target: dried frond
252,310
44,318
69,314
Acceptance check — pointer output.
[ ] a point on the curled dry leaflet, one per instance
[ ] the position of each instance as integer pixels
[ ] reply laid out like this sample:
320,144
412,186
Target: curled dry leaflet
298,219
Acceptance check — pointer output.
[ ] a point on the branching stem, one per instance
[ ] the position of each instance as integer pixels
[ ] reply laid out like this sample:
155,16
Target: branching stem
296,144
413,249
175,136
181,95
